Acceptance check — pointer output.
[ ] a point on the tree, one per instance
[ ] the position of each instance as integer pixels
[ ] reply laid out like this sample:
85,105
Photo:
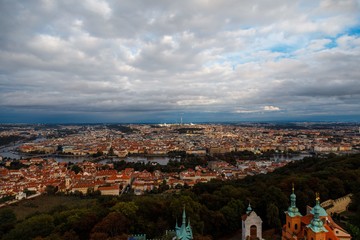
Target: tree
232,213
76,169
272,215
129,209
71,235
39,225
7,220
113,224
111,151
51,190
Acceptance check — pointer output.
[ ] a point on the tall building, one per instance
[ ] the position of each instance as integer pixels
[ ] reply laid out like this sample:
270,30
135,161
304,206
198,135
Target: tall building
315,225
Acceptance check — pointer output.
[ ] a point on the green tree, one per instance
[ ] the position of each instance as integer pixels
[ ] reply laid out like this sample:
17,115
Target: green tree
37,226
272,215
51,190
113,224
76,169
232,213
7,220
129,209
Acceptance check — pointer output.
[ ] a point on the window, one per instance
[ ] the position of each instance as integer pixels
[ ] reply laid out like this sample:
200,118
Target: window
288,224
296,226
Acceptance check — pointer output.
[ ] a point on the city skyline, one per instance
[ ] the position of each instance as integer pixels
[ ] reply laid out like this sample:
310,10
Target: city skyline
203,61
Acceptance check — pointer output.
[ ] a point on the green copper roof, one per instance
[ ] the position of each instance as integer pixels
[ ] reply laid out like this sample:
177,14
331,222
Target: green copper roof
321,211
293,211
249,209
316,224
183,232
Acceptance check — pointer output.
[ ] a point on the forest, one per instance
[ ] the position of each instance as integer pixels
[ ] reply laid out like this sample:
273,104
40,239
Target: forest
214,208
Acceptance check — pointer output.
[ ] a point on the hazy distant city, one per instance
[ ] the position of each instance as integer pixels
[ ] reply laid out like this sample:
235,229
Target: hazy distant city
222,151
119,118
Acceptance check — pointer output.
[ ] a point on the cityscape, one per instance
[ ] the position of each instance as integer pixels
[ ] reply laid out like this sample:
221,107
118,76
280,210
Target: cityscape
179,120
141,159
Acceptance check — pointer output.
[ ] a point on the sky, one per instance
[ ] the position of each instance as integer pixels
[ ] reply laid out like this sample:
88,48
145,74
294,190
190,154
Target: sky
165,60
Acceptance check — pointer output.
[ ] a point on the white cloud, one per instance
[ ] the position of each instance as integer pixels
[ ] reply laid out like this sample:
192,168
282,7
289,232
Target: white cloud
207,56
100,7
271,108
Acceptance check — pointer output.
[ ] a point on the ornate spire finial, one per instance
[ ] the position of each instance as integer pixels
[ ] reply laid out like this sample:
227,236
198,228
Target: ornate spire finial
317,196
184,216
293,210
249,209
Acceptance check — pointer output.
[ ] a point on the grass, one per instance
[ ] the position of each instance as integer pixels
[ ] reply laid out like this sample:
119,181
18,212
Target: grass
44,204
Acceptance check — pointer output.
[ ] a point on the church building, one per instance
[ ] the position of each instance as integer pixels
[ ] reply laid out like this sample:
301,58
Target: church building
315,225
184,232
251,225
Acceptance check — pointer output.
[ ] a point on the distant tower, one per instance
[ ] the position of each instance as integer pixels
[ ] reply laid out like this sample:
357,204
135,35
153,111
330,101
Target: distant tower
67,182
251,225
183,232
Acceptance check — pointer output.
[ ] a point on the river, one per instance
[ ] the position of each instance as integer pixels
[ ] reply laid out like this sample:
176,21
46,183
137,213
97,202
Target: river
10,152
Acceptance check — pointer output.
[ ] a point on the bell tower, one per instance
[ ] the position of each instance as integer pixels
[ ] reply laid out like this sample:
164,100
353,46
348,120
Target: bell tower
293,219
316,229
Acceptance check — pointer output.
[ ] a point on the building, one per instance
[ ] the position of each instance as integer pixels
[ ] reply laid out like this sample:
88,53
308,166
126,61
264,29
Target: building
184,232
251,225
112,190
315,225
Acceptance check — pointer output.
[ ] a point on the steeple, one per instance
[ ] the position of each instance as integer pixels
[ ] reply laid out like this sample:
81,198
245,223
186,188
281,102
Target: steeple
184,216
316,224
321,211
183,232
249,209
293,210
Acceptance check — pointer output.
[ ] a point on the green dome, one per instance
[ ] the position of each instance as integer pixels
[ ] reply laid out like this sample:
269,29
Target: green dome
321,211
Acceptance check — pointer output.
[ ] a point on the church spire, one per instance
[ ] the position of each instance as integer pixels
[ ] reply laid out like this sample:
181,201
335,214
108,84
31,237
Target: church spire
293,197
316,224
293,210
183,232
184,216
249,209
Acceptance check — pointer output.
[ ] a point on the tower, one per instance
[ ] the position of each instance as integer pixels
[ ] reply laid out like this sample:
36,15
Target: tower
184,232
316,230
293,219
251,225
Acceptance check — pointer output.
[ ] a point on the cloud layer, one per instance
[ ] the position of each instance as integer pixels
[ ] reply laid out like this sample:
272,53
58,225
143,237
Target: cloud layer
98,60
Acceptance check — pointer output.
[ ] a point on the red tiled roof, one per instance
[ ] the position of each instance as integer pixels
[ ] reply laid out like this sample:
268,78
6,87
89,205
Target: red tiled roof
112,187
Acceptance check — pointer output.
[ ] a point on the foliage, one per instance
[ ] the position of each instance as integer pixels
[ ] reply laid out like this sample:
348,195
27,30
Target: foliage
7,220
5,140
76,169
214,208
121,128
40,225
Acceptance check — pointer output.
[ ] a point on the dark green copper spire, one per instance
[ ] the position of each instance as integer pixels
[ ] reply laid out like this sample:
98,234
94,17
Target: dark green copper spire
316,224
293,211
184,232
249,209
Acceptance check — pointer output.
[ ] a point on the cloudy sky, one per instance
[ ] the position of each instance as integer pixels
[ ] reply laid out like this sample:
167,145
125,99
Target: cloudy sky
160,60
